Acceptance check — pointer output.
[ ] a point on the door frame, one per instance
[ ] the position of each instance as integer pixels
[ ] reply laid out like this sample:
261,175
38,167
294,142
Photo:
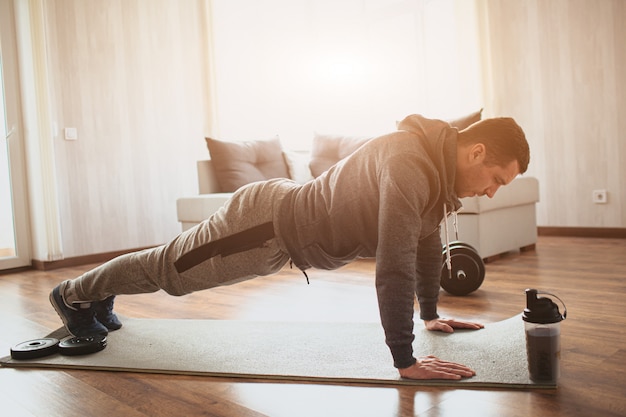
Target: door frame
15,140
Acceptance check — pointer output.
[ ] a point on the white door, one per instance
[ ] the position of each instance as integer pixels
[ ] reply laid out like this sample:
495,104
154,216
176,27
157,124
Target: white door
7,228
14,231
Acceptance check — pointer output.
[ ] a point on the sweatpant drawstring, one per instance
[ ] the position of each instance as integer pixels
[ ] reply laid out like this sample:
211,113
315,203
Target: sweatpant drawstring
303,271
445,225
456,234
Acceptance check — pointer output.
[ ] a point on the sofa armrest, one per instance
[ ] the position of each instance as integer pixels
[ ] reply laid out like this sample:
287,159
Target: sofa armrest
521,191
195,209
207,181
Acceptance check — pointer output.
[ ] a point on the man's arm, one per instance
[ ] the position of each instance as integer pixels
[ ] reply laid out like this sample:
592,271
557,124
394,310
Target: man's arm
402,201
427,286
429,263
402,198
428,275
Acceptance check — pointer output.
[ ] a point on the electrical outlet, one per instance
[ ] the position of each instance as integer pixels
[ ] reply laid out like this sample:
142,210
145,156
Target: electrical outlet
599,196
71,133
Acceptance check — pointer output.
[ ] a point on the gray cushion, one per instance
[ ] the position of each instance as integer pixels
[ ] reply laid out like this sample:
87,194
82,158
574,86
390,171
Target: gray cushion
240,163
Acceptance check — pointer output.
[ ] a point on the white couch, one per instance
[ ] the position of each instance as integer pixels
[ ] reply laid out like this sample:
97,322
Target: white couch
501,224
192,210
494,226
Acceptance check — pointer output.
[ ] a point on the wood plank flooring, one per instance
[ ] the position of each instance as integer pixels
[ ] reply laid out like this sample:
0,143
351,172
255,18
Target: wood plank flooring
587,273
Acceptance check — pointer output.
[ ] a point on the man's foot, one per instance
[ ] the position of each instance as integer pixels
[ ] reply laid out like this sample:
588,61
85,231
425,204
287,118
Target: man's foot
79,318
105,315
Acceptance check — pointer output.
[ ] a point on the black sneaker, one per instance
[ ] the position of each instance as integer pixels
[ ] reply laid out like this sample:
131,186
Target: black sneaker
105,315
79,318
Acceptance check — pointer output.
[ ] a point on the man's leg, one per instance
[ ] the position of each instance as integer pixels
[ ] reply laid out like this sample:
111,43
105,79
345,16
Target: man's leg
154,269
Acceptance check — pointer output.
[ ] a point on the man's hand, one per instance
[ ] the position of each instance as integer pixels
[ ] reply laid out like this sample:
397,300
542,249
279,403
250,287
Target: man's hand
430,367
448,325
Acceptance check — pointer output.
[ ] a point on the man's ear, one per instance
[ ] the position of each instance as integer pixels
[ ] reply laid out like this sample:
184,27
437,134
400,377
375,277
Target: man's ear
477,153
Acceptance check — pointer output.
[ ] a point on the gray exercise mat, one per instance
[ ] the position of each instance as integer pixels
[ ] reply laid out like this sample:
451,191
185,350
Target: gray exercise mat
323,352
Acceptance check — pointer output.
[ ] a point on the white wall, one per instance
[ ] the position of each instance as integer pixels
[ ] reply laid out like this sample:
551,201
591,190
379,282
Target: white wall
559,68
292,67
131,78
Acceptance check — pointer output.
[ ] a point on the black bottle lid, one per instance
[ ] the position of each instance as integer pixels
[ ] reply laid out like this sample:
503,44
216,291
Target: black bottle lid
541,309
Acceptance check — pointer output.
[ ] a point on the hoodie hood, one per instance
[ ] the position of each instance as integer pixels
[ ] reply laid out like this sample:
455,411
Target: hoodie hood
444,145
422,126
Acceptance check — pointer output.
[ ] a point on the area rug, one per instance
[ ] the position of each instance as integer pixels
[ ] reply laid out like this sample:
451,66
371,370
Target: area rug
317,352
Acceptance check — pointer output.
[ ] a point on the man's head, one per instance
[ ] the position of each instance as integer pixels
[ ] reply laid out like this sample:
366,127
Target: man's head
490,153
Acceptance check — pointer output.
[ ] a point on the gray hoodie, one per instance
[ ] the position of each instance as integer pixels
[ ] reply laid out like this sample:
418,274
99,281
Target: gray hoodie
386,201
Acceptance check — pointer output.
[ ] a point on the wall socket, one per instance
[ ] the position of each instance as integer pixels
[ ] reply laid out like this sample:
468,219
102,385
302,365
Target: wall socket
71,133
599,197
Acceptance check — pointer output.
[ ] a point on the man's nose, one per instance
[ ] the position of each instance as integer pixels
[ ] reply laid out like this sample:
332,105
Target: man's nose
491,191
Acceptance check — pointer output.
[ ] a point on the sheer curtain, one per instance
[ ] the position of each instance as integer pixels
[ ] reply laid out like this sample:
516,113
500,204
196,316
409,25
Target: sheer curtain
292,67
38,130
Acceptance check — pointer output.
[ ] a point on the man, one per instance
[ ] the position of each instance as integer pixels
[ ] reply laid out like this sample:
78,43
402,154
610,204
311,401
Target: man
386,200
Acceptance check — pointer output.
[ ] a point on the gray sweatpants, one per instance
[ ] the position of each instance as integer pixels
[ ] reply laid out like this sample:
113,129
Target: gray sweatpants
154,269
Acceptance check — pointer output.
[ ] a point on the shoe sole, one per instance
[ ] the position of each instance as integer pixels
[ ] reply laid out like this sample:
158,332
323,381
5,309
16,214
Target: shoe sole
110,327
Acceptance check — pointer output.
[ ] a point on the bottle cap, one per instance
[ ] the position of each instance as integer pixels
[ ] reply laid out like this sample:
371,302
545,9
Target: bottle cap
541,309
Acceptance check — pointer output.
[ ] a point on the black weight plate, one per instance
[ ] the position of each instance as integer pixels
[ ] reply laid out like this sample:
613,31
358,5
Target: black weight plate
33,349
459,243
468,271
82,345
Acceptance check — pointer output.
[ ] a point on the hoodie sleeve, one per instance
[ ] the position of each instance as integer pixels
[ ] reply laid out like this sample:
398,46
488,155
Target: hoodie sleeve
428,275
404,195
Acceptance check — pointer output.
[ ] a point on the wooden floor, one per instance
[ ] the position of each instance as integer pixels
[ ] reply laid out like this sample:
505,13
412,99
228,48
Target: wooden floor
589,274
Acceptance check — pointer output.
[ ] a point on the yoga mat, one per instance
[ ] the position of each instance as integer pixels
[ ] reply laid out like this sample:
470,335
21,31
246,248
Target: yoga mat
323,352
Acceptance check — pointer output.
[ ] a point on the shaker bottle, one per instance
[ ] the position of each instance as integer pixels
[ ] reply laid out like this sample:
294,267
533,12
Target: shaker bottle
543,345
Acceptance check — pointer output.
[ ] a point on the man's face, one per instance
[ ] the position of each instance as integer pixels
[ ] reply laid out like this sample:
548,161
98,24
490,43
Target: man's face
475,178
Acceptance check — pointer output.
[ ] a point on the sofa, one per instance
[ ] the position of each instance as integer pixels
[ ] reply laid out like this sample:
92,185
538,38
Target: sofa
507,222
494,226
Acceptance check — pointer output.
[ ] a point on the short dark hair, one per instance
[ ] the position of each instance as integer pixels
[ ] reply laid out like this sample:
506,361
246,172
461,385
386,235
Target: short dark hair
503,138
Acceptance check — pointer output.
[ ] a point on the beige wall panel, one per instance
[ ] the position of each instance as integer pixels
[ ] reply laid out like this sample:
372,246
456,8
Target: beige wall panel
130,77
559,67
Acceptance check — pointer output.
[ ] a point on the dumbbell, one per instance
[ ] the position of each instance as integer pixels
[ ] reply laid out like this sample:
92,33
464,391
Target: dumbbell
468,269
